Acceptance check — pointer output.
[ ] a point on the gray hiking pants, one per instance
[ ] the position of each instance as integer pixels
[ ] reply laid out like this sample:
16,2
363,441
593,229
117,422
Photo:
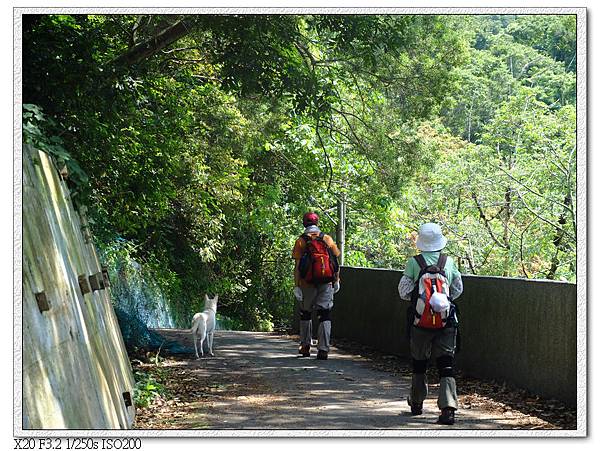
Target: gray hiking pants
441,345
320,298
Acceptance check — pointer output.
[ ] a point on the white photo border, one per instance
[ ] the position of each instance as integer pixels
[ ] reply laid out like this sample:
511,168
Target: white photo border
581,281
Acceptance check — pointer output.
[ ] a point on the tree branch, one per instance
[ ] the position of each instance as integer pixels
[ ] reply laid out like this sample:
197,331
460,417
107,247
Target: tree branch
305,52
179,49
140,23
532,191
526,67
486,222
521,248
152,45
541,218
326,155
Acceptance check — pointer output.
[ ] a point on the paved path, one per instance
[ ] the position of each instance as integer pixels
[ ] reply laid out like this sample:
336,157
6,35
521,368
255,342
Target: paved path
258,381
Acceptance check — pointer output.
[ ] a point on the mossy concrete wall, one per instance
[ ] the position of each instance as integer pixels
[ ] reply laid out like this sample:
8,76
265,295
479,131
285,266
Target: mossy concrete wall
75,370
520,331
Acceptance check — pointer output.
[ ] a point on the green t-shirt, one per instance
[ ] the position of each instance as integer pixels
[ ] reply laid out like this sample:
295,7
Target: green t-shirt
412,269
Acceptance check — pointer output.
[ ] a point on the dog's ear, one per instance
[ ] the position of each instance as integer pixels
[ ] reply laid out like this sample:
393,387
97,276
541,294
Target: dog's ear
216,297
206,297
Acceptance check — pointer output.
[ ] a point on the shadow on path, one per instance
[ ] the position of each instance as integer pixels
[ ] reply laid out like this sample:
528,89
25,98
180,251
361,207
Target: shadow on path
258,381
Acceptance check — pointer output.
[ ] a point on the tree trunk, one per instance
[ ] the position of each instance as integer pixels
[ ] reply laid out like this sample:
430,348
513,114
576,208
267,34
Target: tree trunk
507,217
558,238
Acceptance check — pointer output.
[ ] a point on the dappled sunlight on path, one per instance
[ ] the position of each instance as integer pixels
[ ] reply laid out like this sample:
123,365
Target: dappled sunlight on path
258,381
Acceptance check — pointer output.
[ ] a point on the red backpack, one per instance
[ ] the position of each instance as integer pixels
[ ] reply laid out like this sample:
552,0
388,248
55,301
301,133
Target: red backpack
431,279
318,265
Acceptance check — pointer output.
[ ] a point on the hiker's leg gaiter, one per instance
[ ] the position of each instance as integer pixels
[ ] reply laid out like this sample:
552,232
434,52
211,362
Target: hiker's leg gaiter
306,307
323,304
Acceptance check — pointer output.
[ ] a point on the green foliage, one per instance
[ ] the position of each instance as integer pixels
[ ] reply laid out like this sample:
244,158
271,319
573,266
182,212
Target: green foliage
507,197
203,155
37,129
555,36
146,388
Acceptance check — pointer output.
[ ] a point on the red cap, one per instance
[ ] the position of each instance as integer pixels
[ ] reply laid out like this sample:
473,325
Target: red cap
310,218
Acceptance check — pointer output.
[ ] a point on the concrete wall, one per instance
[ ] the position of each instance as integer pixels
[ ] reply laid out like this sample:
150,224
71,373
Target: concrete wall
514,330
75,371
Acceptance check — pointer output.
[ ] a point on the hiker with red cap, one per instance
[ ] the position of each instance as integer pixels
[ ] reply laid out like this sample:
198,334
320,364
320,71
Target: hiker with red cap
316,279
431,281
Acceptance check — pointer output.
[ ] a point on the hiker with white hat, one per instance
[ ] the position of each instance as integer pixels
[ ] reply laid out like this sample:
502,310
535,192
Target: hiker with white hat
431,281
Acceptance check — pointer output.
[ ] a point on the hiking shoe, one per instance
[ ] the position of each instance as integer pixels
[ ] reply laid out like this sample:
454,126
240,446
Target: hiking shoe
447,416
416,409
304,350
322,355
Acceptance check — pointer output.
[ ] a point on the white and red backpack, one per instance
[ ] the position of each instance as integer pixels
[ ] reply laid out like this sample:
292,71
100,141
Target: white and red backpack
432,279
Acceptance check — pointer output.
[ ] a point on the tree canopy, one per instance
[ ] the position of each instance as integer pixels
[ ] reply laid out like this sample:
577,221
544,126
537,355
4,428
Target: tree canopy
200,140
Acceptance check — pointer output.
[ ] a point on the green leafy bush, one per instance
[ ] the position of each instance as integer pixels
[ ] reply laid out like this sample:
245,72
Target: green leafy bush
37,131
146,389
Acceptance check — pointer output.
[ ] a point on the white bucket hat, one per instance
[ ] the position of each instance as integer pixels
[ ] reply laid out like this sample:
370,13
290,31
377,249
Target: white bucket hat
430,238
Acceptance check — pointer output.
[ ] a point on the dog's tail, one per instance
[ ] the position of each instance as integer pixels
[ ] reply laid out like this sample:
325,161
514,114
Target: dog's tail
196,323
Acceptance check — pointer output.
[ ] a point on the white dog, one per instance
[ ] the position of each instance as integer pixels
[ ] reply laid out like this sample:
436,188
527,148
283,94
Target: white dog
203,325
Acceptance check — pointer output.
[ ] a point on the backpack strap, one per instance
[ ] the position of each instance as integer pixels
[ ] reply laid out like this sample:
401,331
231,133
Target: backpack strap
421,261
441,263
415,293
306,237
